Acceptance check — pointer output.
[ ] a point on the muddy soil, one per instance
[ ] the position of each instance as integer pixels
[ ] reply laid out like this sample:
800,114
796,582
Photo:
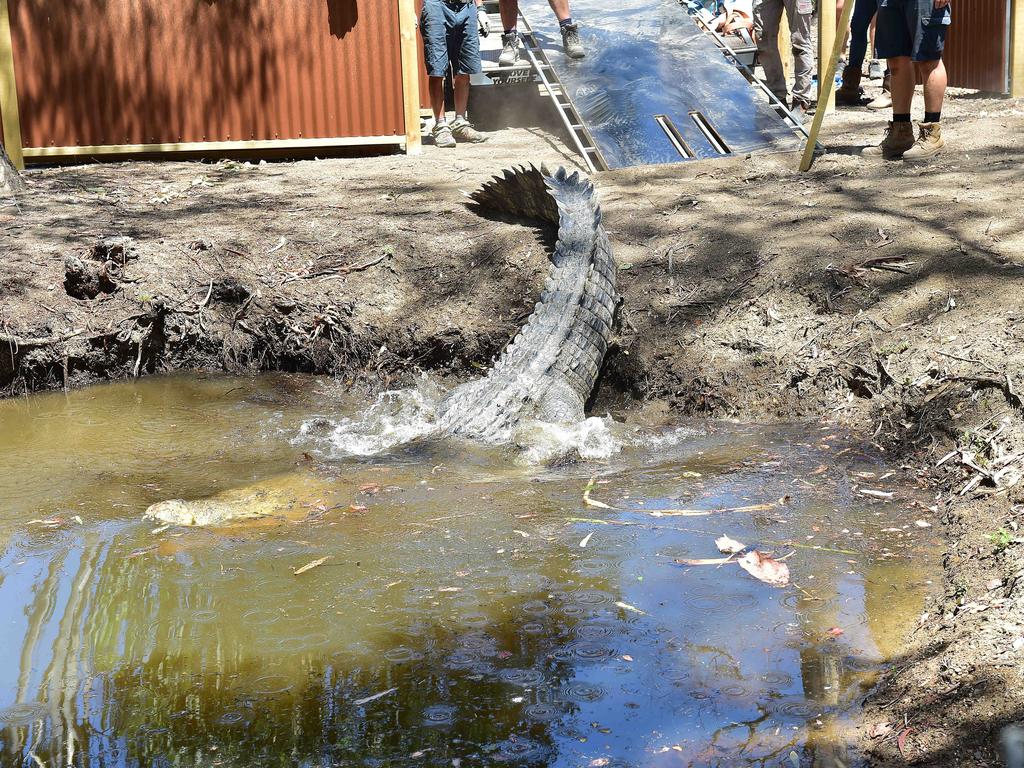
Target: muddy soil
883,297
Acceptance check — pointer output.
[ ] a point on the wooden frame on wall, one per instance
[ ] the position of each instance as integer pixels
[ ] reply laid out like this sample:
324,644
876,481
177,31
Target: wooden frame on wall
9,92
407,27
1016,48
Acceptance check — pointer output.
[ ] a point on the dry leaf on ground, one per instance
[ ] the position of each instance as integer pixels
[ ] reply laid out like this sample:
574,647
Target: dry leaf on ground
901,741
880,730
729,546
765,568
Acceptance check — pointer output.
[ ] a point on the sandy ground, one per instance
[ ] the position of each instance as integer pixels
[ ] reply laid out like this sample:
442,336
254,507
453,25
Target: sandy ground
885,297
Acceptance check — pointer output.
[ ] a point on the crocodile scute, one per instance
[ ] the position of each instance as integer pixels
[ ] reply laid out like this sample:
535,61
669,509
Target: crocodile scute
549,369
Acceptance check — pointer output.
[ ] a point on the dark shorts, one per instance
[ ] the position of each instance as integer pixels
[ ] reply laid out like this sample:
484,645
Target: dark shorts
451,37
914,28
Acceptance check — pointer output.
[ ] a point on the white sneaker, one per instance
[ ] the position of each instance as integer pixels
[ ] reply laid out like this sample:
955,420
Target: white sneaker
442,135
463,130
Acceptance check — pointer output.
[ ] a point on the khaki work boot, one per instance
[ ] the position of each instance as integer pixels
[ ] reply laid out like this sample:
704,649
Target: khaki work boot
510,45
571,41
899,137
884,99
929,143
849,93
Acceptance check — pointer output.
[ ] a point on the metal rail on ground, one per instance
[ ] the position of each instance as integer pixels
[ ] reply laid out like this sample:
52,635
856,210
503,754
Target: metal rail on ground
567,112
748,73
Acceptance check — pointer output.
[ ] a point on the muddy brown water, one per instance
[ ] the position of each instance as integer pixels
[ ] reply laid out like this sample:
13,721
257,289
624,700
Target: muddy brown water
472,610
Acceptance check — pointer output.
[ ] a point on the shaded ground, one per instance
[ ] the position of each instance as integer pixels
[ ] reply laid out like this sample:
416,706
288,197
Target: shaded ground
876,295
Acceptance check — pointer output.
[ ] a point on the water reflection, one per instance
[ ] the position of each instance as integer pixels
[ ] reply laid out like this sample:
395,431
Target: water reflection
457,617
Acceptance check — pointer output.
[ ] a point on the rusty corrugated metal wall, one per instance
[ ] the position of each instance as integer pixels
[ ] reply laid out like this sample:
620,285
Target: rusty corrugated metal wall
976,51
126,72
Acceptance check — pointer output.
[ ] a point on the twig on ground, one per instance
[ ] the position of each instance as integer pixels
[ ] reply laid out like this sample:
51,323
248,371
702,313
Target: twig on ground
43,341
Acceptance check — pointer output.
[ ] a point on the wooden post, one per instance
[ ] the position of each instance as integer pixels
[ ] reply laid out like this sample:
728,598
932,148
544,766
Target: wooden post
827,39
410,76
827,85
9,91
1017,48
785,46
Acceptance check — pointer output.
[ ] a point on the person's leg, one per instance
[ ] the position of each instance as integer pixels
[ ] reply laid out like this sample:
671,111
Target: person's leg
509,12
767,17
850,92
434,29
863,15
928,46
561,9
933,74
901,83
570,31
436,87
895,41
464,48
799,15
461,86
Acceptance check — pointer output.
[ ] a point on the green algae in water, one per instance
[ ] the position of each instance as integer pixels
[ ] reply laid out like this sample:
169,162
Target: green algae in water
456,617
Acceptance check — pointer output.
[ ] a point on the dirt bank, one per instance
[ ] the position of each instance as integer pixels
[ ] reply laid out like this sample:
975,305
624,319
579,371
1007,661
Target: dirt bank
884,297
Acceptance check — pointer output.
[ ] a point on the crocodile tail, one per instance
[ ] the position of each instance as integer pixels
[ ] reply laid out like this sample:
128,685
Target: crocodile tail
520,192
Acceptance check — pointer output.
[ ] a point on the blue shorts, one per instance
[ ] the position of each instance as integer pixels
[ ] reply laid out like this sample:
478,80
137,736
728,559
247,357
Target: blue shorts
914,28
451,37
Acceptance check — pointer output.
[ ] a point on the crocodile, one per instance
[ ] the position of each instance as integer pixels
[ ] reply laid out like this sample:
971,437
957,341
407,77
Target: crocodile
546,373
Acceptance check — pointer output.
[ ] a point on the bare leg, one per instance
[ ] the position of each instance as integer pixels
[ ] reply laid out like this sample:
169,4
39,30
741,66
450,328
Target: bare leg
561,8
933,75
902,74
461,95
437,98
509,10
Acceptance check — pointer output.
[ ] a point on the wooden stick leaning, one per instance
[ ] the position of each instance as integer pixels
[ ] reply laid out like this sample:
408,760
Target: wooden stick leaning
826,87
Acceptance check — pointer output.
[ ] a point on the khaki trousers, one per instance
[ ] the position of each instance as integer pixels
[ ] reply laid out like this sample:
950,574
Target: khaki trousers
767,17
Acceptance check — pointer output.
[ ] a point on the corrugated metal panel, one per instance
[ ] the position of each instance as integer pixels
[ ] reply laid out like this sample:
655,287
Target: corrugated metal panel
100,72
976,45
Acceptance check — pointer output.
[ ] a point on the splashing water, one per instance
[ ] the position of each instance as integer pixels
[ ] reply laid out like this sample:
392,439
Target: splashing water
542,441
396,418
399,417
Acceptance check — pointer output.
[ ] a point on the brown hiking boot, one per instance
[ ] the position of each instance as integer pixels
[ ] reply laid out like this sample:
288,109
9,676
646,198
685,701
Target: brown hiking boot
884,99
929,143
899,137
849,93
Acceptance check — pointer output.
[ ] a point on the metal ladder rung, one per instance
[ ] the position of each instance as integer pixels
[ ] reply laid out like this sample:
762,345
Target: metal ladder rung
563,104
